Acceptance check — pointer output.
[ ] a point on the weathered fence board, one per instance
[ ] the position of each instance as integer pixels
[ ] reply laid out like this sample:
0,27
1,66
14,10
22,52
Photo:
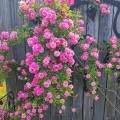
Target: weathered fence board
87,109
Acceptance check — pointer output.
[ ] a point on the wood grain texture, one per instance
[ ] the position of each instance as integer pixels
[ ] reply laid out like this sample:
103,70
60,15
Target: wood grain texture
87,109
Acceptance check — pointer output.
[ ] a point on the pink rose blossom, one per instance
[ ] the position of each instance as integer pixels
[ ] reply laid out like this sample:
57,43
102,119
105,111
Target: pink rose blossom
73,38
37,49
71,2
98,74
60,111
67,93
109,65
4,36
13,35
93,84
2,58
65,83
33,68
49,95
88,76
73,110
56,53
63,107
81,22
37,30
47,83
96,98
68,71
38,91
82,29
85,56
23,116
46,61
31,14
84,47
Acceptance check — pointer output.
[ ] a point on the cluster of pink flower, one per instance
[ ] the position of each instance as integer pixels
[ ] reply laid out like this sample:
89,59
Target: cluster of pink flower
25,6
48,15
73,38
105,9
69,2
4,36
115,54
114,62
66,24
85,47
88,54
4,46
56,58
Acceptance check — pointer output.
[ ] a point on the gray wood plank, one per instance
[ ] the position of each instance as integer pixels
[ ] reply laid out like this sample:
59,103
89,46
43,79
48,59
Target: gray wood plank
78,99
103,34
117,115
5,25
91,29
111,82
111,95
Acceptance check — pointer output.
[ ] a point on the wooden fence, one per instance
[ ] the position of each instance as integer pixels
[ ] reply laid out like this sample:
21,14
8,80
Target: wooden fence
108,107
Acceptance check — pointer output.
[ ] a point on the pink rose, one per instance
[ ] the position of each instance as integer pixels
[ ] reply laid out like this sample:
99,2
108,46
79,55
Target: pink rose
47,83
71,2
84,46
65,83
37,49
46,61
4,36
88,76
38,91
67,93
13,35
33,68
49,95
56,53
37,30
93,84
68,71
23,116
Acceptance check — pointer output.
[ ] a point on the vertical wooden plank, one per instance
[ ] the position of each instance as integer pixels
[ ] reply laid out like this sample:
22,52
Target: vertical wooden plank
5,25
104,33
117,115
5,21
91,29
110,94
78,100
111,84
67,114
20,50
54,114
82,94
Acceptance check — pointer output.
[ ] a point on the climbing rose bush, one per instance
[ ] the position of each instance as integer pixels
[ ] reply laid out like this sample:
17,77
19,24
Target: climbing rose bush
57,50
